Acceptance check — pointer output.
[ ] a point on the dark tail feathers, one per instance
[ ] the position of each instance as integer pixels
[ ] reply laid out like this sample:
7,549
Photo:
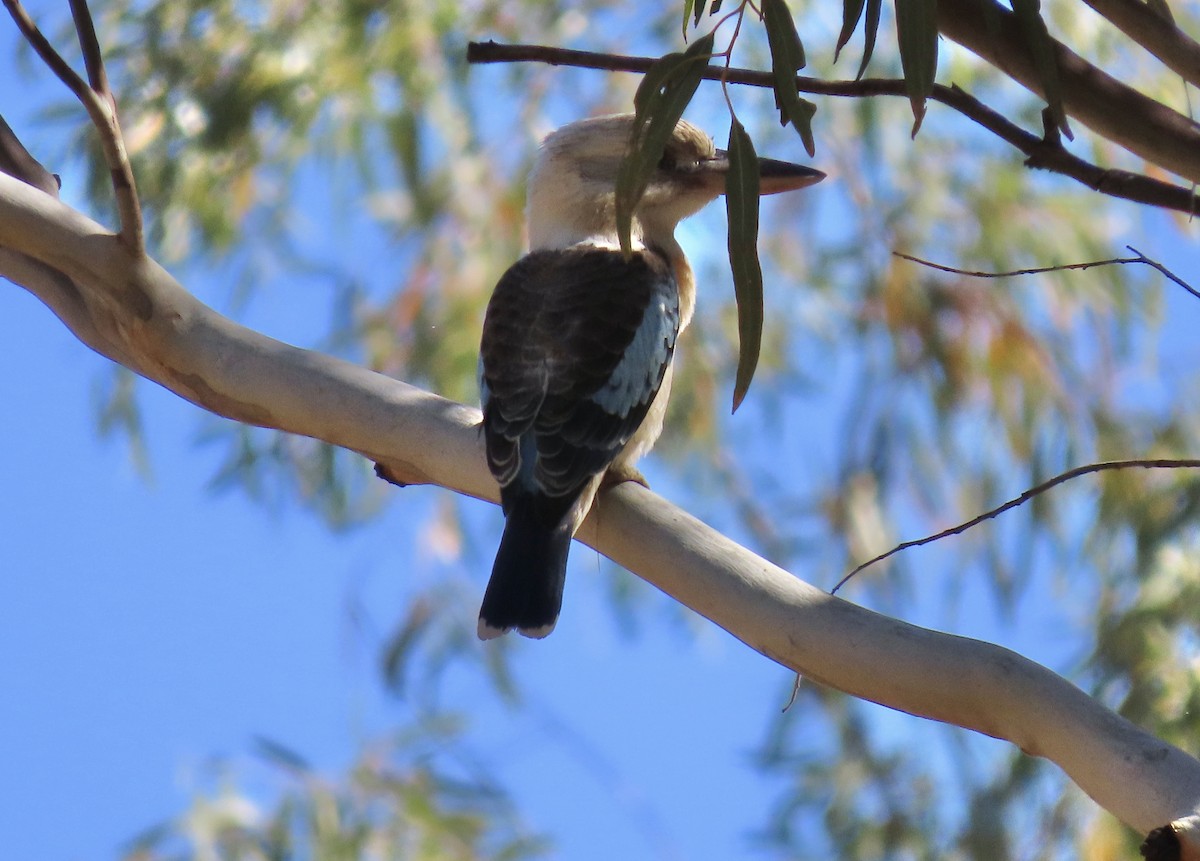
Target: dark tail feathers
526,588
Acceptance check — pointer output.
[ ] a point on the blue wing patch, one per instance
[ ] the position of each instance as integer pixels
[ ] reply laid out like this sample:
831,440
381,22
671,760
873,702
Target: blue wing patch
636,378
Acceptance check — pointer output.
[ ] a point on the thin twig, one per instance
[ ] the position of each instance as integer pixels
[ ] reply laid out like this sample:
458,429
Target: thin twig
1039,152
1087,469
45,50
1039,270
100,104
89,46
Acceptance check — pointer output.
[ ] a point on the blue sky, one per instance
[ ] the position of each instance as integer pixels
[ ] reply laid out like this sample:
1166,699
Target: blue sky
150,626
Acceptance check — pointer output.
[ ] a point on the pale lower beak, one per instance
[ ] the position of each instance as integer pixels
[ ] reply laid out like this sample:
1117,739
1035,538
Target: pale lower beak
776,176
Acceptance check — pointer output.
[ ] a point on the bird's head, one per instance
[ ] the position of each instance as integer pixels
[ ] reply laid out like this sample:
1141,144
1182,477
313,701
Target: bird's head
572,187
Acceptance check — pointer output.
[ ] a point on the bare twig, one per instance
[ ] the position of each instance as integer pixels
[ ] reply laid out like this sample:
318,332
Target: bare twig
1040,152
100,104
89,46
1087,469
1038,270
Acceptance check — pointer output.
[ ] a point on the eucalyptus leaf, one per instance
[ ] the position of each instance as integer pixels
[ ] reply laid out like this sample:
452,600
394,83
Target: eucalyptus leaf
1041,46
787,58
870,31
741,205
659,103
917,35
787,51
851,12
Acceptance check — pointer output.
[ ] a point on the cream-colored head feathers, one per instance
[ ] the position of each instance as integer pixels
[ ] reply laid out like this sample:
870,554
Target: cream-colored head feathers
572,186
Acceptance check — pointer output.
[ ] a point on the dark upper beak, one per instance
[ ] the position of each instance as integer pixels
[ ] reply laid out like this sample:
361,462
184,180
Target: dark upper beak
774,176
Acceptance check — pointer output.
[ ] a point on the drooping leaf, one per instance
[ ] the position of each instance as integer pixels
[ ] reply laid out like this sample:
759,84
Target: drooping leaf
851,11
787,58
688,6
917,35
1041,46
741,205
870,30
658,104
786,48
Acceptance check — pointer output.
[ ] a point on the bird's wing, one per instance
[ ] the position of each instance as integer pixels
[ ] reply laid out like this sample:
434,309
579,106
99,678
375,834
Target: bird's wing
575,346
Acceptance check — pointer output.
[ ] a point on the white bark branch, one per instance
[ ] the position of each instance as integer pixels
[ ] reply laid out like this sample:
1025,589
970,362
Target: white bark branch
128,308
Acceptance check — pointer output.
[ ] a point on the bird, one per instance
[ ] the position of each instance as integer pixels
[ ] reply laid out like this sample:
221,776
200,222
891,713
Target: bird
575,354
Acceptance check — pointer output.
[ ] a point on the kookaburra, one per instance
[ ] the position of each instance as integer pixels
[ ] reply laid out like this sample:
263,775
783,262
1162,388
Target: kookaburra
575,362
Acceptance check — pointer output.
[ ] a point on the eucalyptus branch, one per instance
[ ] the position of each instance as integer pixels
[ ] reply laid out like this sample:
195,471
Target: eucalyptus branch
1157,34
1063,267
175,340
97,98
1044,152
1062,478
1112,109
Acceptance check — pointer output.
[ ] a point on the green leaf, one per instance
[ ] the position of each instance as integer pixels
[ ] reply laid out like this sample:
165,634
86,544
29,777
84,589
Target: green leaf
1041,46
851,11
787,58
870,30
688,6
786,48
741,205
799,112
916,32
658,104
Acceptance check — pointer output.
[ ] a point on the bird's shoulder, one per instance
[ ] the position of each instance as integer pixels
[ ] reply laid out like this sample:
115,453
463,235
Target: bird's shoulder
587,267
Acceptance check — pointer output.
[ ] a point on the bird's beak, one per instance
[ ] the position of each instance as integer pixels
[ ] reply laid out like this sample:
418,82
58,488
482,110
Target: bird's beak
773,176
776,176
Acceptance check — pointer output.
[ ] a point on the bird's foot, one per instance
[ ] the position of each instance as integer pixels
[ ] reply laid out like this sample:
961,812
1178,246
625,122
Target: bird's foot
621,474
390,477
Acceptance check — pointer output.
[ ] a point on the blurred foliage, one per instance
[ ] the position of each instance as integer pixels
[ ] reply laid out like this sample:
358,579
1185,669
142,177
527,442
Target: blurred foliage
890,400
406,799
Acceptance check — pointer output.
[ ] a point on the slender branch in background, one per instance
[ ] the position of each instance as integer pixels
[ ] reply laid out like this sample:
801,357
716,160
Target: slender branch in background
1041,152
1141,258
97,98
1087,469
89,46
